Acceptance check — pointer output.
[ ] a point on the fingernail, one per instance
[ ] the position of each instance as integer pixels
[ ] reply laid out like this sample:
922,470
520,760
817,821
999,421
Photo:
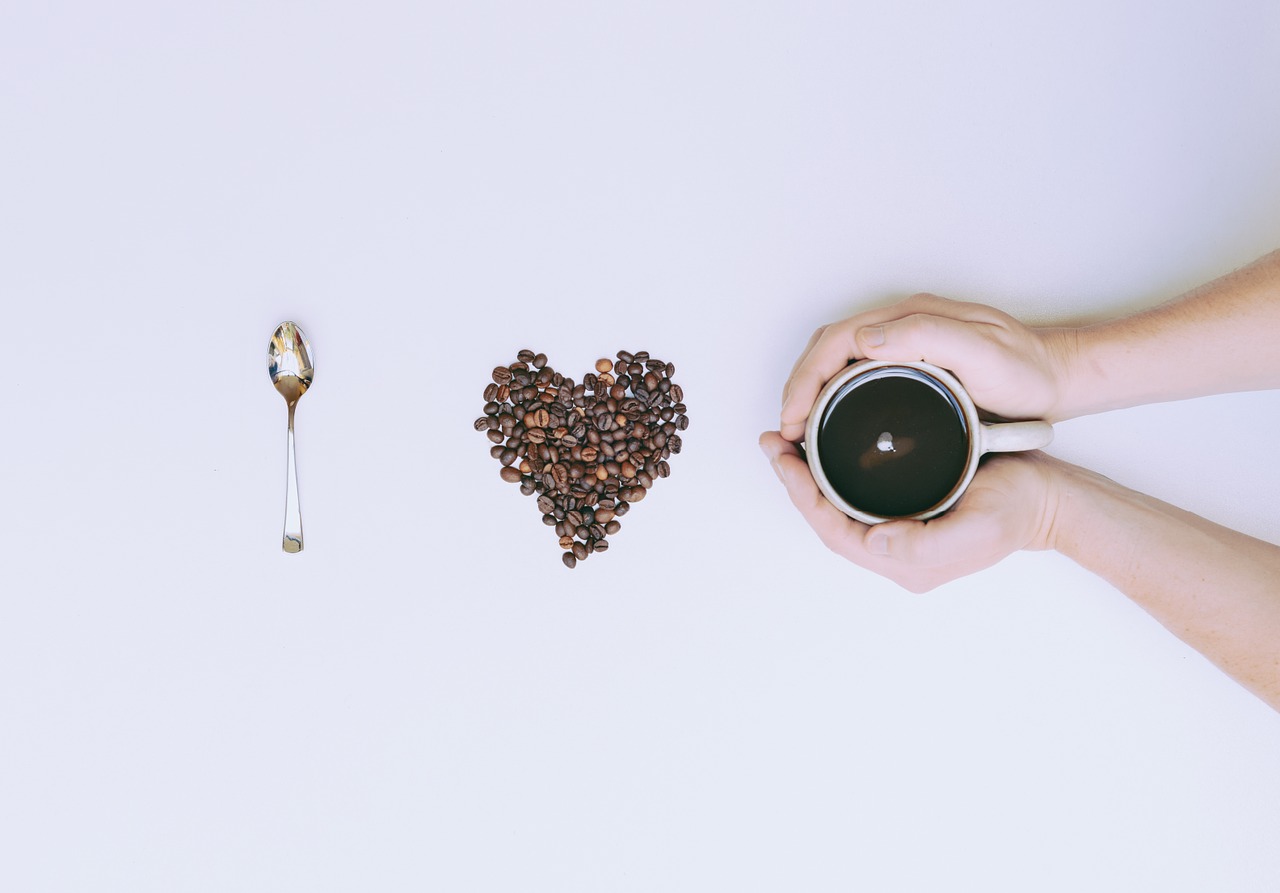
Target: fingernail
777,469
777,466
877,542
873,336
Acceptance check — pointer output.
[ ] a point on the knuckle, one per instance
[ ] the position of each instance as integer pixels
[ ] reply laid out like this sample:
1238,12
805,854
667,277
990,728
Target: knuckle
909,328
926,299
919,580
910,580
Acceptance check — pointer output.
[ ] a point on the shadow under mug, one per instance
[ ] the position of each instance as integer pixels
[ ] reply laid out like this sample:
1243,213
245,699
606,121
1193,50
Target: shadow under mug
979,437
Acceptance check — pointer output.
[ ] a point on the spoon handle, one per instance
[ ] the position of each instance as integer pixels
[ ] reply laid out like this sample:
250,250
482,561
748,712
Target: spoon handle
292,541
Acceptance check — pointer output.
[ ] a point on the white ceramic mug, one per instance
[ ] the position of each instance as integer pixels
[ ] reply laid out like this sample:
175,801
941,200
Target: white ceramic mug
982,437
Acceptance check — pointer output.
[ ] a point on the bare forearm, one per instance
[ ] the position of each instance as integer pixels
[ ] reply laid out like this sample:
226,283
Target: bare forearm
1216,589
1219,338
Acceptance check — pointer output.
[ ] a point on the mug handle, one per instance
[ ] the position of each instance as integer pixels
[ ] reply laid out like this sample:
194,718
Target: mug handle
1014,437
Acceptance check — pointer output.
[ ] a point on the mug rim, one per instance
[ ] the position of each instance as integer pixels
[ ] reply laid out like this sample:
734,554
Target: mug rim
969,410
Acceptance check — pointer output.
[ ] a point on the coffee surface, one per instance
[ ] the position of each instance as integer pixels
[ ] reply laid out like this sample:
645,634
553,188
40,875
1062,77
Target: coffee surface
893,446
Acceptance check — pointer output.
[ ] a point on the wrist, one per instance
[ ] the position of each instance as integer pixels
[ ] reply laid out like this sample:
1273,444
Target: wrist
1077,501
1064,350
1061,498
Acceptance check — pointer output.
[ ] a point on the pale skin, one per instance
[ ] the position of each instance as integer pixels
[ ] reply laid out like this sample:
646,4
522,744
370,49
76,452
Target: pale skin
1215,588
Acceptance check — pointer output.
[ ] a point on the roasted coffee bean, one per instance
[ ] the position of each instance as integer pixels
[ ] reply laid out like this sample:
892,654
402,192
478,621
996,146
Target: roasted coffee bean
570,560
586,450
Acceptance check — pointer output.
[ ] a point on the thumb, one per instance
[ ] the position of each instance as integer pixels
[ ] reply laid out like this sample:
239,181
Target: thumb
940,340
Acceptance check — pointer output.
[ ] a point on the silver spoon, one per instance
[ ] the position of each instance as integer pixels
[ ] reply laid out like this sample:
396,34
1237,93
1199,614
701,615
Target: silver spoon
289,362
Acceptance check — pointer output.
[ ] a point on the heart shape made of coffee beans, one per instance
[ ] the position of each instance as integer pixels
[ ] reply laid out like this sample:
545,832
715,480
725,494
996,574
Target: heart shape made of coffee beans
588,450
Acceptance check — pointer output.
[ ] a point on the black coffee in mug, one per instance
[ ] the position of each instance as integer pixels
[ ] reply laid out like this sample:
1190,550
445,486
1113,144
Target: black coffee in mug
894,443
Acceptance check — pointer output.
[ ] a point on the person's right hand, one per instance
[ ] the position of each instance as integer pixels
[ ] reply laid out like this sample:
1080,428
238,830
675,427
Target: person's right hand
1010,505
1008,368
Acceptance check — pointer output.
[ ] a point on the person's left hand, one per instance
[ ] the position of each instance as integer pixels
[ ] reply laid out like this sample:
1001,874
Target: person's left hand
1007,507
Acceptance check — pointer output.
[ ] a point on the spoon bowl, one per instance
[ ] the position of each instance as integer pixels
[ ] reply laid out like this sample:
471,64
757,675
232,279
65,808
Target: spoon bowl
289,362
291,370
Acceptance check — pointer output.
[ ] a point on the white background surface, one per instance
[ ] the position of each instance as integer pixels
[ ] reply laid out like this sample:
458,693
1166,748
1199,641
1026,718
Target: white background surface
425,698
